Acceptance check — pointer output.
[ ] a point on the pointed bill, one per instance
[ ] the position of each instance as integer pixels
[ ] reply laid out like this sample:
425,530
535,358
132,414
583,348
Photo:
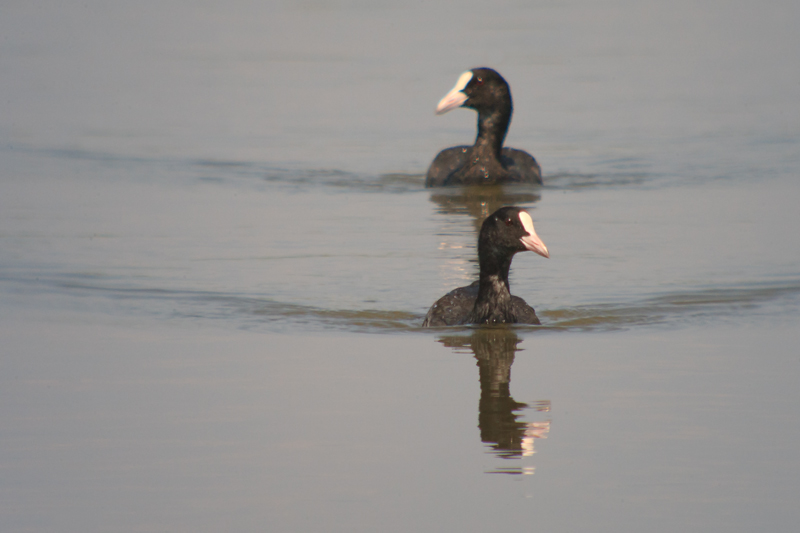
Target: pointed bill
455,98
532,242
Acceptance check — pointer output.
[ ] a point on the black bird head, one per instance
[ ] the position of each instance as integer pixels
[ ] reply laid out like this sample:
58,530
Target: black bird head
481,89
507,231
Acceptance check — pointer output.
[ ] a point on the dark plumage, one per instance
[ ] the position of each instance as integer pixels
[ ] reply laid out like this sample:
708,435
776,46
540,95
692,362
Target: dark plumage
488,301
485,162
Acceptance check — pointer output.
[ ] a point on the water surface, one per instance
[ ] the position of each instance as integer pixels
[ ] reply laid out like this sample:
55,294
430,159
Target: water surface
216,251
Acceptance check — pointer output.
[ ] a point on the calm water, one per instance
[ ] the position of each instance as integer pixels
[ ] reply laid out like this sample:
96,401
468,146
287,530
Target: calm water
216,251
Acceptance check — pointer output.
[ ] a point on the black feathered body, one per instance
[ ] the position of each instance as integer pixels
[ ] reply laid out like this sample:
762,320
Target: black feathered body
462,165
448,310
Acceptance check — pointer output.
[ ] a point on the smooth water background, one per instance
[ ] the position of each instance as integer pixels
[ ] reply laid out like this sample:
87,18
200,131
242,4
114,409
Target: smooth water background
216,250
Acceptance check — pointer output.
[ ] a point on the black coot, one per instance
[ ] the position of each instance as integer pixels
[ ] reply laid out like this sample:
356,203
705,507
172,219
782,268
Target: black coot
485,162
488,301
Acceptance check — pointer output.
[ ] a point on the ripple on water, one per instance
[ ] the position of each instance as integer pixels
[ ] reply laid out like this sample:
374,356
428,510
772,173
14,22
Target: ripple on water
263,313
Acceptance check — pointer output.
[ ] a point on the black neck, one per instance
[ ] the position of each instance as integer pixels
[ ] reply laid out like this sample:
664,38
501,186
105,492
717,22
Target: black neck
492,129
493,304
494,274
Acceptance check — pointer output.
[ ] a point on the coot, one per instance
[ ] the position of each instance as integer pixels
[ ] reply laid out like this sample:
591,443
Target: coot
488,300
485,162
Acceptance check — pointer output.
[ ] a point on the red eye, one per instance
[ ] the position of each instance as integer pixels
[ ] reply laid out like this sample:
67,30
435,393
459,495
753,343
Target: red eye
509,222
480,81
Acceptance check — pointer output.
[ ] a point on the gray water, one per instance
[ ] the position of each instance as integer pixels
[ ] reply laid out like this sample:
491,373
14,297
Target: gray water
216,251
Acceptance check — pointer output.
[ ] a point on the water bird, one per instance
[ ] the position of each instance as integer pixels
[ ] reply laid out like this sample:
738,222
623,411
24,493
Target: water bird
488,300
486,161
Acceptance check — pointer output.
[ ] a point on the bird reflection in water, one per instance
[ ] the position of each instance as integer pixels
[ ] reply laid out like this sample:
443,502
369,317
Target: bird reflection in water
498,413
478,202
